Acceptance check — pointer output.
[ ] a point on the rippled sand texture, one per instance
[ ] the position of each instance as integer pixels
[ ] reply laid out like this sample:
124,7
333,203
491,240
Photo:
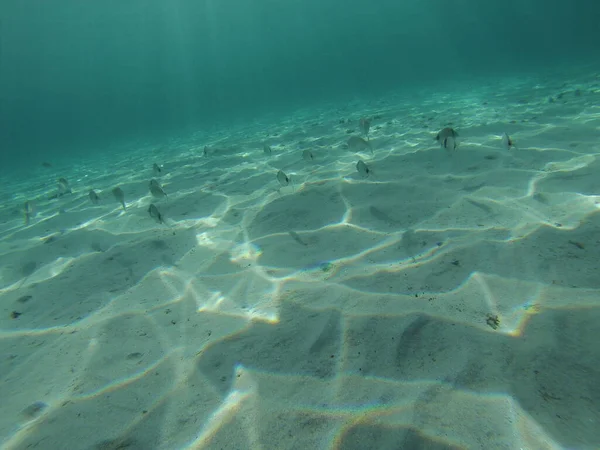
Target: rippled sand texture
451,300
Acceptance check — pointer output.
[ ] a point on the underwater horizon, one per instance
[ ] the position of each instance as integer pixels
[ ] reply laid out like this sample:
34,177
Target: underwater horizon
77,79
314,224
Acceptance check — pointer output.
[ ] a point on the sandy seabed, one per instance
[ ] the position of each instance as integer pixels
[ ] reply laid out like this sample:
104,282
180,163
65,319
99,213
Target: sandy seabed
448,300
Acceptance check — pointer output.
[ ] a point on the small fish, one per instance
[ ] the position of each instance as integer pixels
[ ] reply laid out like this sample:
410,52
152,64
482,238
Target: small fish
156,189
449,143
267,150
364,125
379,214
283,179
363,169
155,213
29,210
507,142
295,236
356,143
307,155
119,196
206,150
409,242
446,133
34,410
63,187
482,206
93,197
156,169
47,165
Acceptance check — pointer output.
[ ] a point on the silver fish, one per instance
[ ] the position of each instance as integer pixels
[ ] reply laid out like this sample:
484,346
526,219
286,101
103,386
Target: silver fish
93,197
364,125
507,142
295,236
119,195
307,155
155,213
449,143
63,187
283,179
363,169
267,150
156,189
205,151
356,144
156,169
409,242
381,215
446,133
29,210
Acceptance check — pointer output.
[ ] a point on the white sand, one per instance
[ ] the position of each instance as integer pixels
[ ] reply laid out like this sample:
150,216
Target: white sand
365,328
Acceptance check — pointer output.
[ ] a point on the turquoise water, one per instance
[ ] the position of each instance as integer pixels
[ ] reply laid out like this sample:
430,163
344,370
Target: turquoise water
445,297
78,79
